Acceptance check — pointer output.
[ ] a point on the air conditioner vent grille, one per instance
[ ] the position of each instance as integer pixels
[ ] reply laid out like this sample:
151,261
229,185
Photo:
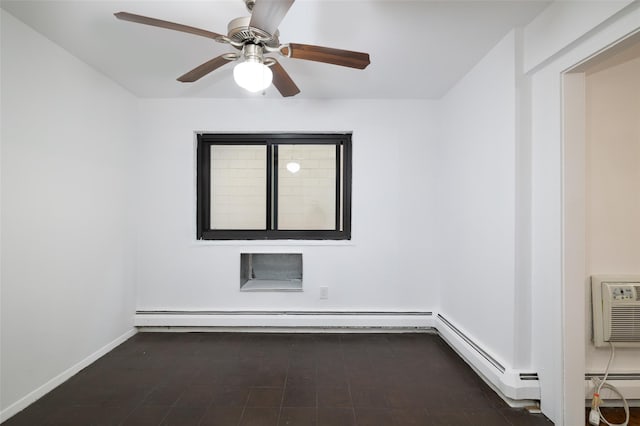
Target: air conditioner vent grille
625,324
616,310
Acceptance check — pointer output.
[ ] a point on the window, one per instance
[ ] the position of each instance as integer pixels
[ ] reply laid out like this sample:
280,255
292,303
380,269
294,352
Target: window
274,187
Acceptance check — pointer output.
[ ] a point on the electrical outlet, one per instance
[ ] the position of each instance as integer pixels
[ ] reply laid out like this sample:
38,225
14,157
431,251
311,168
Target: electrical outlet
324,292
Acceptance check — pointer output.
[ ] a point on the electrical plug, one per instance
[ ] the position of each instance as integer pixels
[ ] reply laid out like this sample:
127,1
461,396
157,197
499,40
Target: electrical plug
594,414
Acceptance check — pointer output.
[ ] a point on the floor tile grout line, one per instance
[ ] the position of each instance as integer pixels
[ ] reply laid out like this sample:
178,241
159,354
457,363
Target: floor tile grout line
140,404
284,390
317,407
345,371
244,407
208,407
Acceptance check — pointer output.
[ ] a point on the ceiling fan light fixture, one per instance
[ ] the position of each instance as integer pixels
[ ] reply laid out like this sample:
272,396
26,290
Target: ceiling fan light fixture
252,75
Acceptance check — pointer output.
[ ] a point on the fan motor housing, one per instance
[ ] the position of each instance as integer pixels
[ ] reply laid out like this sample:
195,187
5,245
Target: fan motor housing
239,31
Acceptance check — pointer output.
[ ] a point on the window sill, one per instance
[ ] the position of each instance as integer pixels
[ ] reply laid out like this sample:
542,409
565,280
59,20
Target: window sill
274,243
272,285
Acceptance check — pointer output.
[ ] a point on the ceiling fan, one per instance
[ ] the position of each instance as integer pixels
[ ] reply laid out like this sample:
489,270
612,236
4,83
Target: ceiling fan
255,36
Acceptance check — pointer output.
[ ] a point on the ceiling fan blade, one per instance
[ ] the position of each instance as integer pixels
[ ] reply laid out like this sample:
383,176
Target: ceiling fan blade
345,58
139,19
283,82
200,71
267,14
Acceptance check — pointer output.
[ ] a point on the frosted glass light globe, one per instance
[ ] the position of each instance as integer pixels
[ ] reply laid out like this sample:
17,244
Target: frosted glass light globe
252,76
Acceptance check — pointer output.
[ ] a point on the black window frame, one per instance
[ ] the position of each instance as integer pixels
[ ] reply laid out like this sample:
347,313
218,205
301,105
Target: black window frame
271,141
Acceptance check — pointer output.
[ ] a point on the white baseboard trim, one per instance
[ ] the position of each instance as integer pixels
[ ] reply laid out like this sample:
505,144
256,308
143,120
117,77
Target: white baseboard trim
38,393
284,320
517,388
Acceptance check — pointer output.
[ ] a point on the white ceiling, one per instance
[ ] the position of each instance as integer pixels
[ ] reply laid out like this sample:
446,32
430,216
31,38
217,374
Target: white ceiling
418,49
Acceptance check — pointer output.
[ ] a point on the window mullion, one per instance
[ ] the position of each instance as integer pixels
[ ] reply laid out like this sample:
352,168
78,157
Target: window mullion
338,187
269,186
274,201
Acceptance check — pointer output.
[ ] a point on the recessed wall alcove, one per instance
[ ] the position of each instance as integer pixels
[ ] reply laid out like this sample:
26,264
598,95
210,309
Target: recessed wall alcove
271,272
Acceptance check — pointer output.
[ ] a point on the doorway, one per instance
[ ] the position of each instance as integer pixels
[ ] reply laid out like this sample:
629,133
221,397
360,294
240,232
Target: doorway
601,204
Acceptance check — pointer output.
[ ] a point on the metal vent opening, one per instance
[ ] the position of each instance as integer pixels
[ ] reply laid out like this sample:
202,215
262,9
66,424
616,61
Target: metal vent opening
625,324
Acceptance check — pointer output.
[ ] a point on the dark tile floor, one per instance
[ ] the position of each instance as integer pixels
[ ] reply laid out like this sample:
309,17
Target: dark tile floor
252,379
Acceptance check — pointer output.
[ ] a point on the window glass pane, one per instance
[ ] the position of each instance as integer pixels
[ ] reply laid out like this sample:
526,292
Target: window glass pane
238,186
341,198
306,187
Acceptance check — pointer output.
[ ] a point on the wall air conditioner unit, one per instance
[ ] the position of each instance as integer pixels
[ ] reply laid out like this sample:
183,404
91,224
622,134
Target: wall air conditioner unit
616,310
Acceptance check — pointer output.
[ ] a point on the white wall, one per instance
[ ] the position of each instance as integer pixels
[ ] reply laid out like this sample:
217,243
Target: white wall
502,134
562,23
613,188
562,385
477,202
613,174
389,265
67,260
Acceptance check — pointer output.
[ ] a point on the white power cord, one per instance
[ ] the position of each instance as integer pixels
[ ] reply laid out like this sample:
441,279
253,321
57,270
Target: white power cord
595,416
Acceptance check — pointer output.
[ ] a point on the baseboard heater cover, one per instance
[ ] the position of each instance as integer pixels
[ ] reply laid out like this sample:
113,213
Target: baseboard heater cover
513,385
614,376
475,346
377,313
627,383
284,319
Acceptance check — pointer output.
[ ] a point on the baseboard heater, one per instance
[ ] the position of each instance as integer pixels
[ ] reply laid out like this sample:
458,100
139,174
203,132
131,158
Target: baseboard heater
614,376
627,383
376,313
491,360
516,387
284,319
